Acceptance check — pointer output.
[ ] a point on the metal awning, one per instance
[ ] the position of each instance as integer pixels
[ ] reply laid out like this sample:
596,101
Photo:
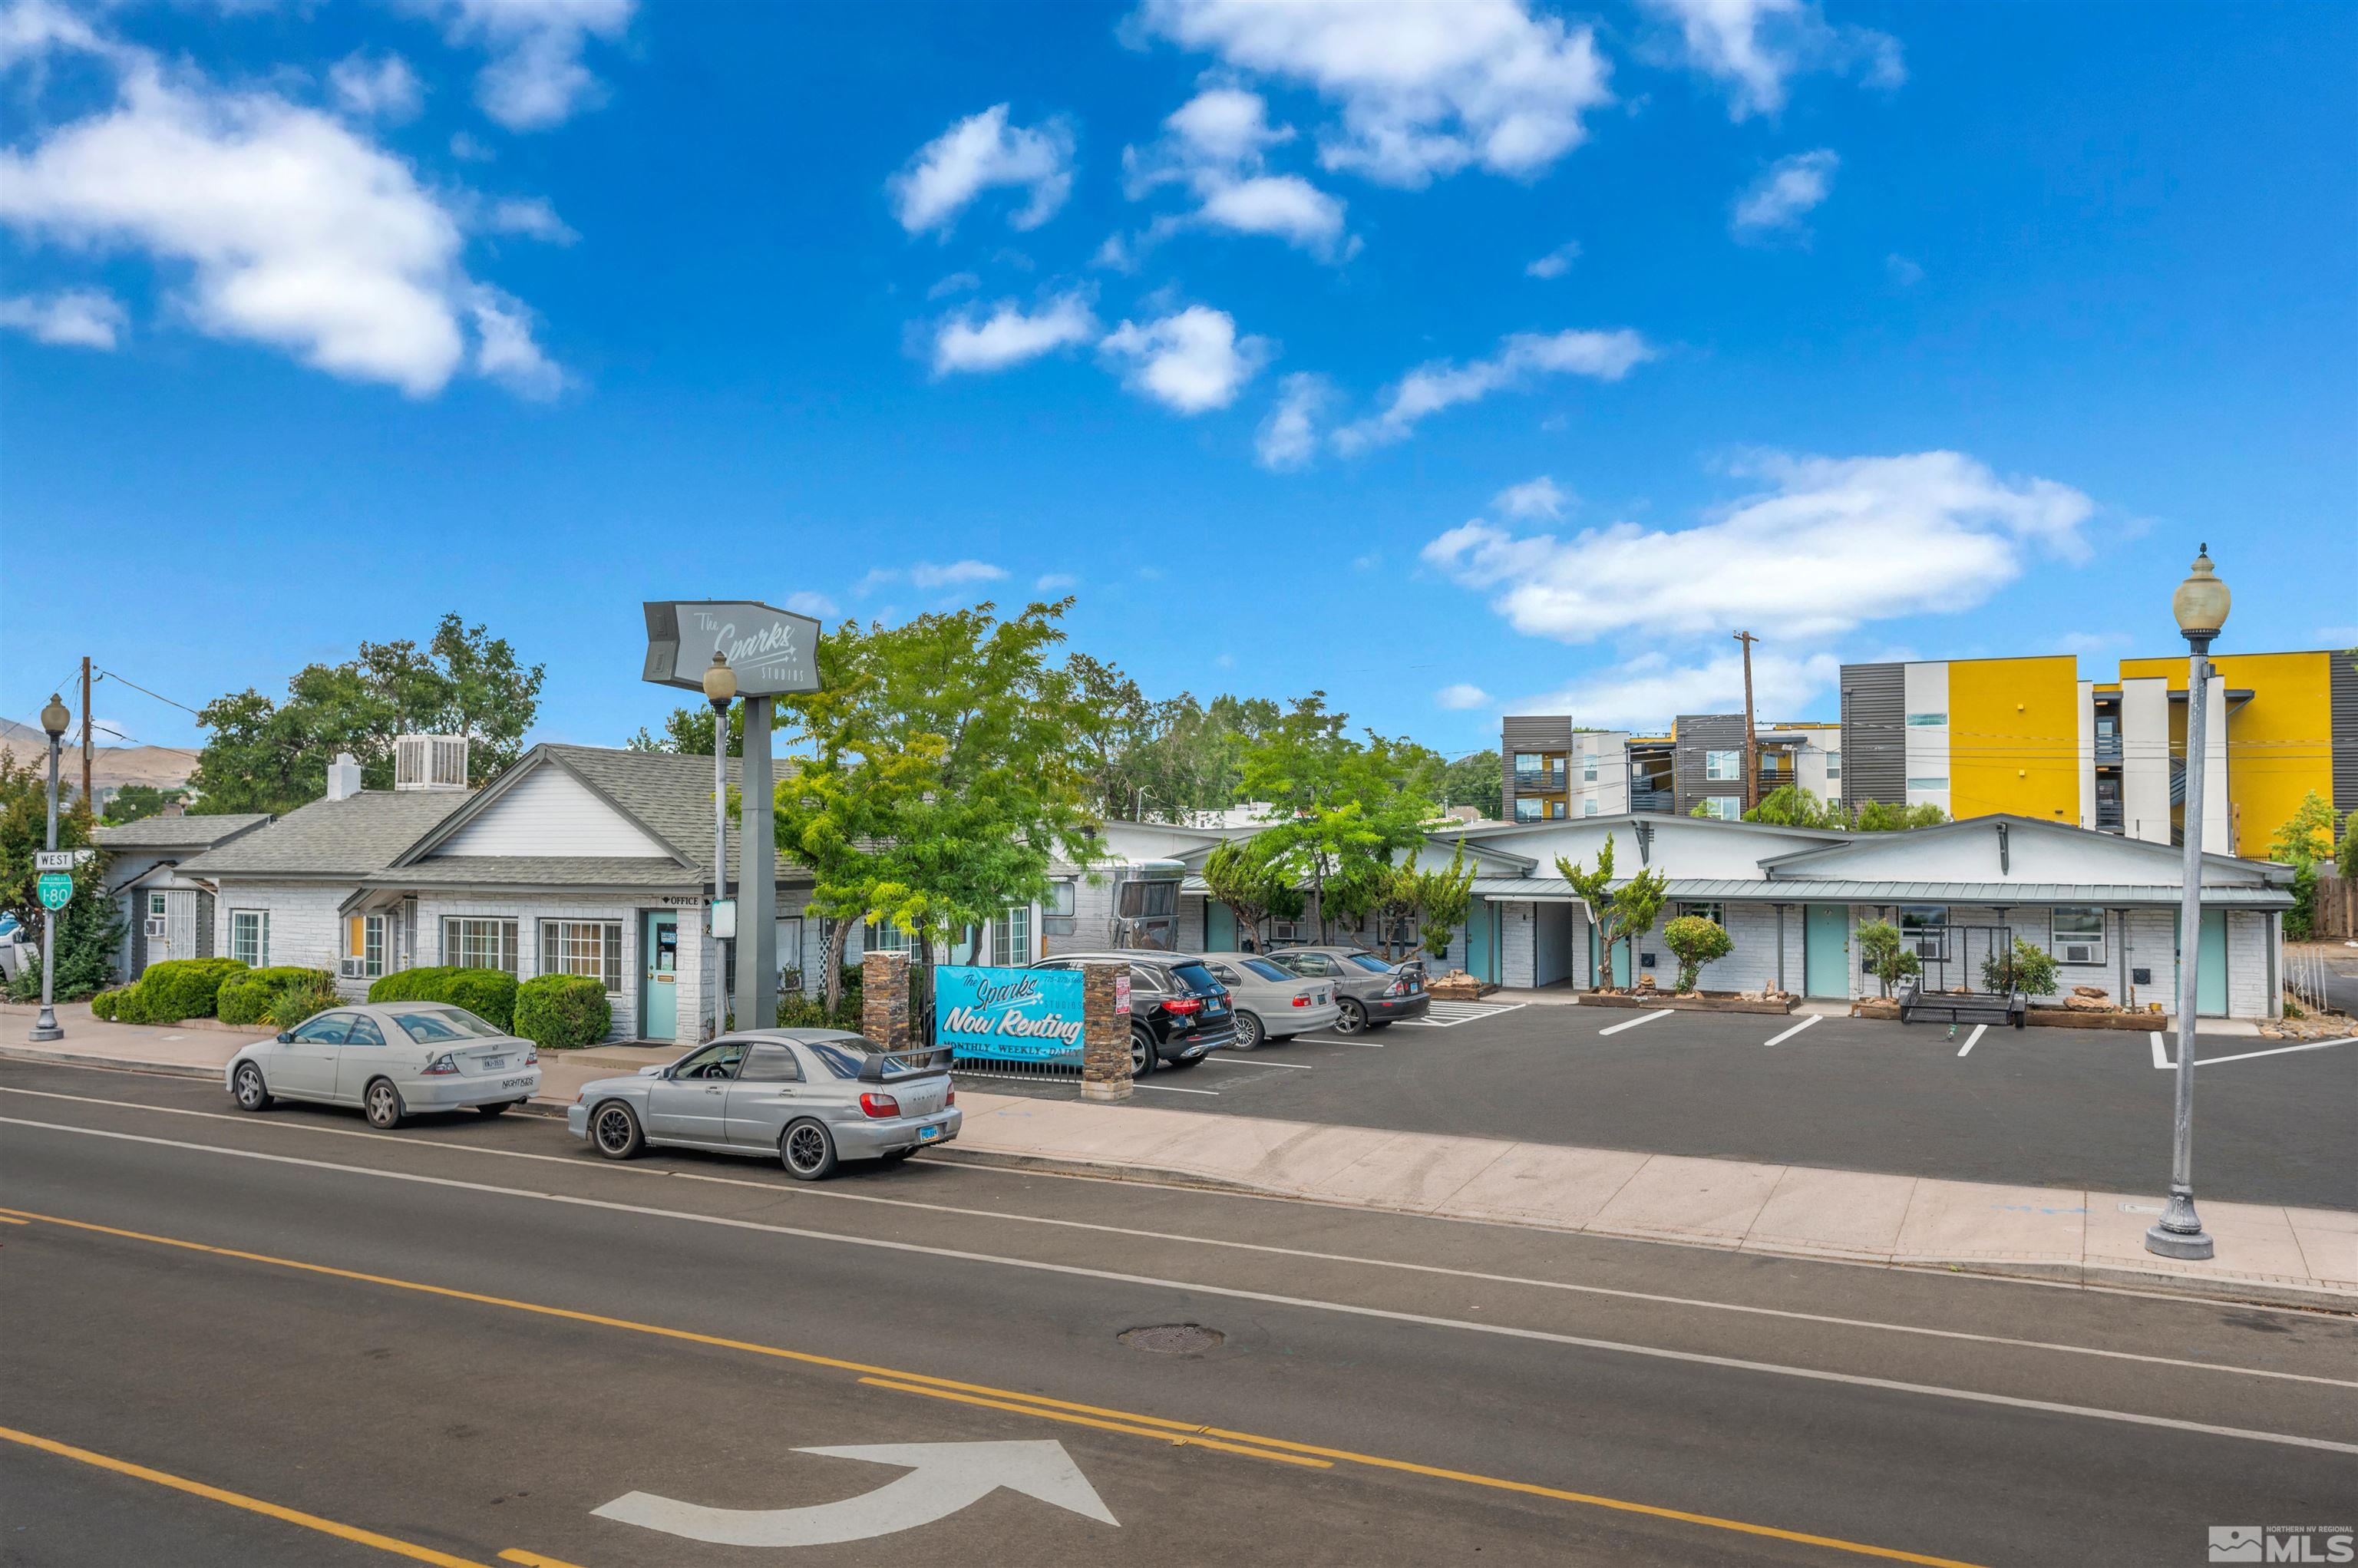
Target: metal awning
1830,890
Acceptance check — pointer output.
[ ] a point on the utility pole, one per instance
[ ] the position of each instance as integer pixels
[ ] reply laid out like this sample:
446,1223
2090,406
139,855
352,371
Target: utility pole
85,736
1751,746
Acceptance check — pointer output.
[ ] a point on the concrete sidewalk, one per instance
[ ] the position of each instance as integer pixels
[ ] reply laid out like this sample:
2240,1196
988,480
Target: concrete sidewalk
2306,1257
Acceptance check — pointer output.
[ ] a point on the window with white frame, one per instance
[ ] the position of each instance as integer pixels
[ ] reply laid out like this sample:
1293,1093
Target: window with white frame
1925,928
1928,721
1723,767
249,937
478,942
155,906
1010,937
1588,770
1588,806
2077,936
1930,781
1056,910
365,944
591,947
1715,912
884,936
1833,764
790,953
1726,807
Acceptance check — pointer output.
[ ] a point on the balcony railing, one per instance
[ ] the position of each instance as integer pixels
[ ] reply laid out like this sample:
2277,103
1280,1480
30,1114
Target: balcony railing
2108,747
1660,800
1550,782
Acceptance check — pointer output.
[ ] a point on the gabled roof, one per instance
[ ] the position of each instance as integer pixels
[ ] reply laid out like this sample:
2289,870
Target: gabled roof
1824,836
1822,862
1481,855
664,793
331,838
184,833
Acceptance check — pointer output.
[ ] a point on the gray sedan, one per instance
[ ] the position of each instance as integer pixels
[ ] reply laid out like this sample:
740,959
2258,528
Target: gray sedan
392,1059
809,1096
1270,1003
1372,992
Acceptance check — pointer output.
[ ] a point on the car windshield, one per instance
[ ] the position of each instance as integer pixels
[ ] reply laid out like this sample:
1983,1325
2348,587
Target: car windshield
440,1024
1266,969
1195,978
1368,962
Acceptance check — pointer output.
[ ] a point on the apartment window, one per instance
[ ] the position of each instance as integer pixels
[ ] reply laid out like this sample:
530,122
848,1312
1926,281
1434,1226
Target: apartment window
365,944
1928,781
1588,806
1715,912
1010,937
1833,765
1928,721
1726,807
592,947
1057,909
884,936
474,943
1925,928
249,937
1527,809
1588,770
1723,767
1530,763
2078,934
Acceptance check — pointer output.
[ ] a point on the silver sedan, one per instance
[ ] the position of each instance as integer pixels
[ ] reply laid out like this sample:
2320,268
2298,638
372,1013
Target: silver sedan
1270,1003
390,1059
809,1098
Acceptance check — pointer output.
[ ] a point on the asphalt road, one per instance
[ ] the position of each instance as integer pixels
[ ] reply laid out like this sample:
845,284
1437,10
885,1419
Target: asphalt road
464,1338
2033,1107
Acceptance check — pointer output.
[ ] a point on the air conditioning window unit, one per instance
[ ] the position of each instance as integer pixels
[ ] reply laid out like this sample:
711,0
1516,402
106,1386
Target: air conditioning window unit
430,761
154,926
350,968
2079,952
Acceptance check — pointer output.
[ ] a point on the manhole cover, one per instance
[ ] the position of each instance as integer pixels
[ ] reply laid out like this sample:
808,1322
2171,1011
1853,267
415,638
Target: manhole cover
1172,1338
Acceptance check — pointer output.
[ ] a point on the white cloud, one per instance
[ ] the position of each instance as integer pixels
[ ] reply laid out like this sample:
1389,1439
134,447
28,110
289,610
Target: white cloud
955,283
1213,146
1831,543
1753,46
467,147
381,87
1288,439
532,217
1285,206
978,154
536,78
818,606
1008,336
1557,262
31,29
2091,642
1540,497
82,318
953,574
1425,87
1903,273
1647,692
1430,388
297,230
1462,697
1189,361
1055,582
1780,198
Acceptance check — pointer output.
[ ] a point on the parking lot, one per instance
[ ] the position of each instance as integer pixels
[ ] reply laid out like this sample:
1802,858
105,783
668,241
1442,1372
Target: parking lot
2044,1107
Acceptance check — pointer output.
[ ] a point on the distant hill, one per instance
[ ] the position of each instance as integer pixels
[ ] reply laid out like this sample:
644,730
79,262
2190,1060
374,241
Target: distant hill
110,767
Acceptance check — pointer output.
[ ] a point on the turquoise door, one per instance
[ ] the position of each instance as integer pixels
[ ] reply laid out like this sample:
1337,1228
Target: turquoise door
1825,951
1482,941
2210,966
1620,959
659,976
1219,927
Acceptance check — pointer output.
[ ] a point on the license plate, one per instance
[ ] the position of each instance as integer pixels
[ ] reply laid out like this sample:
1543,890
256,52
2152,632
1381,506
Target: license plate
515,1083
927,1134
1213,1007
493,1064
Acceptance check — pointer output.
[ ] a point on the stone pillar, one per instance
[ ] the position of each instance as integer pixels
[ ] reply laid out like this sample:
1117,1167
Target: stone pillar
1105,1032
884,1000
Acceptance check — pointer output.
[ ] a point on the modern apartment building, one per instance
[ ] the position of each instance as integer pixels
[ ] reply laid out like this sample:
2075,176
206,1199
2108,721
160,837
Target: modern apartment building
1554,771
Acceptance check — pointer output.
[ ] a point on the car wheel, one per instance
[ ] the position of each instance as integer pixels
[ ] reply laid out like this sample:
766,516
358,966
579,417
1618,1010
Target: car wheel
614,1129
251,1092
381,1103
1141,1053
1249,1032
1353,1019
494,1109
808,1152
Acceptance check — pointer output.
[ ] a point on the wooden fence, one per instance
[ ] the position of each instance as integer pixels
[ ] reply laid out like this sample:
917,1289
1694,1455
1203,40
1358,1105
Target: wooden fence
2337,906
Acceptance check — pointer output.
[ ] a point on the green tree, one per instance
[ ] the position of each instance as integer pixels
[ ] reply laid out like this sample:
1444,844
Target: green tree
2345,859
89,928
134,800
688,731
1696,941
1621,914
1444,897
2028,967
273,756
1240,876
1339,809
1886,954
2303,841
1790,805
1476,779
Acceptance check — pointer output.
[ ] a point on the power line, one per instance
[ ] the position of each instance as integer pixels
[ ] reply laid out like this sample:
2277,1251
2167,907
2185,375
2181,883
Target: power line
126,680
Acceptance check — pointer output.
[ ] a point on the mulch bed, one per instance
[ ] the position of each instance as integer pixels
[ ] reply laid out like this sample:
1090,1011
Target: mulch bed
1708,1001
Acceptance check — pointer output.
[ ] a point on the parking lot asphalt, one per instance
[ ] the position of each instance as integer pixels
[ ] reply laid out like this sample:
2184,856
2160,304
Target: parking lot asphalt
2041,1107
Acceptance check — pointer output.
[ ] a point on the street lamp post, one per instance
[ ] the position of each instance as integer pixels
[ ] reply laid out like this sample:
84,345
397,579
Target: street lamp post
2200,606
720,690
54,720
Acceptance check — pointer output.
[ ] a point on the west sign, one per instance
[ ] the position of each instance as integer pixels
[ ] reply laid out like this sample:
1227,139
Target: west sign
771,650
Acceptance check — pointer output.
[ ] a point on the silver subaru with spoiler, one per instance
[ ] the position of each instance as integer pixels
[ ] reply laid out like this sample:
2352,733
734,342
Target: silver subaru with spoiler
811,1097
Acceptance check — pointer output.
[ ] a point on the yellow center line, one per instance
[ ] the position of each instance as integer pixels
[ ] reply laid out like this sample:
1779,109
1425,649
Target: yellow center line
410,1550
534,1559
1179,1438
1030,1404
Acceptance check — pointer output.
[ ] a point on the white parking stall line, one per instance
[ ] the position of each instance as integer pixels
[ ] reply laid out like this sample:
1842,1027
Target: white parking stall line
1450,1015
2277,1050
1646,1017
1781,1039
2160,1056
1974,1039
1256,1062
1169,1088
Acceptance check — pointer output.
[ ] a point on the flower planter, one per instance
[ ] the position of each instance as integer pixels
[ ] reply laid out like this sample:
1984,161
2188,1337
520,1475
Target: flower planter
1877,1007
1666,1001
2066,1018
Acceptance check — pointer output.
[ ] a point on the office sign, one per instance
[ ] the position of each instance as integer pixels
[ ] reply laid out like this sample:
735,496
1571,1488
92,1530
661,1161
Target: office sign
771,650
1008,1015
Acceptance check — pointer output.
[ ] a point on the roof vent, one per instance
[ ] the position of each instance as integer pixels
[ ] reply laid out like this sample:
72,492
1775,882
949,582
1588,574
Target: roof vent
430,761
343,777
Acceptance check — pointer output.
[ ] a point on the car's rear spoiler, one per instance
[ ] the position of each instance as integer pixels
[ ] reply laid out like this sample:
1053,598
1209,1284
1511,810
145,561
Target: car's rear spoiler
885,1066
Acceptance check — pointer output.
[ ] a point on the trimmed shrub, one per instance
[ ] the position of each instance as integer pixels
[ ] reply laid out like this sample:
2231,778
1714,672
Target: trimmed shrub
562,1013
183,988
102,1004
1697,941
249,998
2031,969
490,994
309,993
810,1013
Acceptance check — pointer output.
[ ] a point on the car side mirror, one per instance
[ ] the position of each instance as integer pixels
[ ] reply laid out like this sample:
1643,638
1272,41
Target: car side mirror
285,1037
657,1072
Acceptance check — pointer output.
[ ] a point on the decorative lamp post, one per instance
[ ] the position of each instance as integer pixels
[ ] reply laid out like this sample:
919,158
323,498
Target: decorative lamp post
2200,606
54,720
720,690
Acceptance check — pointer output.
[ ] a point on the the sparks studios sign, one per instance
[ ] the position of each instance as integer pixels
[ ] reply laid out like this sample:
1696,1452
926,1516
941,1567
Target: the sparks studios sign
771,650
1020,1015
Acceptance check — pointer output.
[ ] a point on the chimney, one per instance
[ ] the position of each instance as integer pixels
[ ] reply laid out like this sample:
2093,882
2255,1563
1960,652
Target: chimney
343,777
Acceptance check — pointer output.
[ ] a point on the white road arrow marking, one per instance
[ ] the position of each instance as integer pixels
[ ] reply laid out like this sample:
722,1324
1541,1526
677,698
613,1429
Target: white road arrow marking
943,1478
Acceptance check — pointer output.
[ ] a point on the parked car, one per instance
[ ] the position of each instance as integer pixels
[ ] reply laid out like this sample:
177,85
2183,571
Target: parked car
1178,1013
811,1097
392,1059
1271,1003
16,954
1372,991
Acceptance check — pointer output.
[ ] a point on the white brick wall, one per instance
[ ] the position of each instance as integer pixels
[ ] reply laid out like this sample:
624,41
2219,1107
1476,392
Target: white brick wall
1518,929
1751,961
2248,992
303,923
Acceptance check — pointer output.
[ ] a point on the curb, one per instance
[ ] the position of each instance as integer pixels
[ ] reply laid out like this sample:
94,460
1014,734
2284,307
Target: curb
124,1064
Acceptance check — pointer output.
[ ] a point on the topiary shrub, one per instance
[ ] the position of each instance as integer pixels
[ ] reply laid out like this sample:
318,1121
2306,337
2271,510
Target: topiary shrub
1697,941
562,1013
490,994
308,994
102,1004
249,999
181,987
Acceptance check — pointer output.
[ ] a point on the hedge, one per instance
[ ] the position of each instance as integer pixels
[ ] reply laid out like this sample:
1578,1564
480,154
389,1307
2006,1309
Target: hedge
169,991
102,1004
562,1013
308,994
490,994
252,997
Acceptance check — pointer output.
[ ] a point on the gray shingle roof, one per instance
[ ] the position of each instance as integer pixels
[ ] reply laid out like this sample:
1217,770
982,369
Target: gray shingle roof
537,871
178,832
669,793
344,839
1831,890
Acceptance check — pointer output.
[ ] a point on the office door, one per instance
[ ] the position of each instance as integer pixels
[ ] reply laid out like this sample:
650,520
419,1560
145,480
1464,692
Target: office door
659,975
1825,951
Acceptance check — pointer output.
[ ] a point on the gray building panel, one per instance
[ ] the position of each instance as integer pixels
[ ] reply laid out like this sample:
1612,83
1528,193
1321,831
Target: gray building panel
1875,738
2345,699
1528,732
1695,734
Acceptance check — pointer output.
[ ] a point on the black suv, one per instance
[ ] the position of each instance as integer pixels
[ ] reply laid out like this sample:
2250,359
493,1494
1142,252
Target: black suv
1178,1013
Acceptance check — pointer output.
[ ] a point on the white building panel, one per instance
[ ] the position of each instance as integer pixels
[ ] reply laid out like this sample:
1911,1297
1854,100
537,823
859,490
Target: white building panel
550,812
2144,759
2088,754
2218,835
1925,694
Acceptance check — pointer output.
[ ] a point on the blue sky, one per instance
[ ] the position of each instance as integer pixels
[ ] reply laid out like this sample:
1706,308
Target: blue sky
1505,355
